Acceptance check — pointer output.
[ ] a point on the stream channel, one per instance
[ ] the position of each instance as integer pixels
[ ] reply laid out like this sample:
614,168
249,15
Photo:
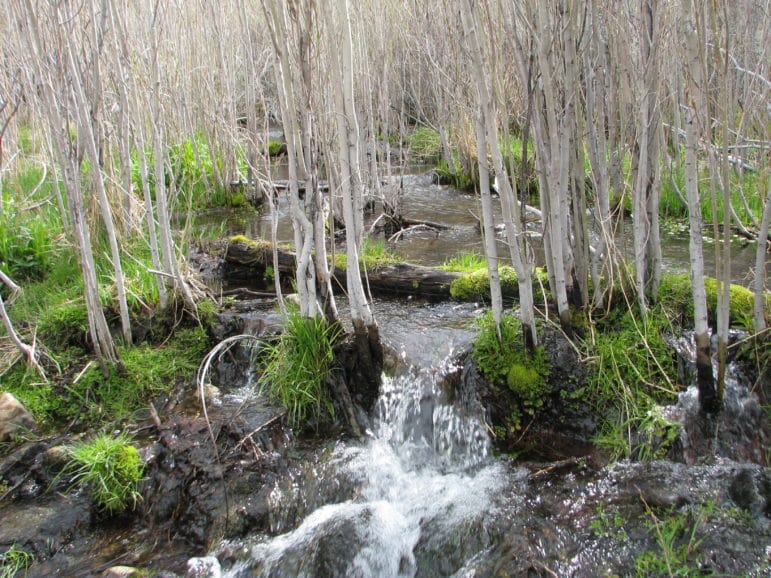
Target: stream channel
423,494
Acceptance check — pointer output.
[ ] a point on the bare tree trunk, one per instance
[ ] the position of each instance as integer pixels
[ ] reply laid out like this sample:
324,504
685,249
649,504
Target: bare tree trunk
596,94
55,92
350,183
488,226
760,264
168,253
85,115
694,122
646,162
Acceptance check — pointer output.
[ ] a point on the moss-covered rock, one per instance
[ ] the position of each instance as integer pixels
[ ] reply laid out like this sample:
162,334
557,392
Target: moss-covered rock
675,296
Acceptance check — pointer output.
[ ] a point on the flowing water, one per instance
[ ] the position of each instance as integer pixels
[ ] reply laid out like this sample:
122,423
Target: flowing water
421,482
423,496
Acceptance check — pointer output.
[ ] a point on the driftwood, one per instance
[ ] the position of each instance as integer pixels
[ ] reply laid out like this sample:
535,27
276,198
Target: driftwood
247,260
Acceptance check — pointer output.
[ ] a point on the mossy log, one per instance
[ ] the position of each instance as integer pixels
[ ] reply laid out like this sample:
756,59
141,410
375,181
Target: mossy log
247,260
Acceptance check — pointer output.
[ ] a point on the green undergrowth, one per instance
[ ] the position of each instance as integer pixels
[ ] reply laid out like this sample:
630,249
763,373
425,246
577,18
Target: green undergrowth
296,366
424,143
194,173
467,262
110,468
506,363
633,372
455,174
747,195
677,533
79,393
31,240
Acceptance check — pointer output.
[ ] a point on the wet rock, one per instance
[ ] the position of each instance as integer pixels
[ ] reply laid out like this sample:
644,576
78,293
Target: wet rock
751,491
47,527
14,418
196,487
593,522
206,567
55,458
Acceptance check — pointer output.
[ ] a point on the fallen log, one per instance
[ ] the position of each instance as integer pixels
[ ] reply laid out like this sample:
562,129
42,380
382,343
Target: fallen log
249,260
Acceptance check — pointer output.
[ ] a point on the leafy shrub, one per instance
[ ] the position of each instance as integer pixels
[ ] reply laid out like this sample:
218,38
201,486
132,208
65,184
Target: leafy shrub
296,366
110,467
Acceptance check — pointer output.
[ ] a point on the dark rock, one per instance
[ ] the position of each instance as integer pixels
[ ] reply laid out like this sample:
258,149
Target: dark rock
751,491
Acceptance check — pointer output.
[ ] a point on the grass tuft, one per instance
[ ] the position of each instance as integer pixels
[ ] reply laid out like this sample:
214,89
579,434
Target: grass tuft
111,468
296,367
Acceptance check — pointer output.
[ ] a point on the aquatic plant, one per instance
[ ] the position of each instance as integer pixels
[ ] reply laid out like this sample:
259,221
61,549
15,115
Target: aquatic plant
677,535
465,262
424,143
111,468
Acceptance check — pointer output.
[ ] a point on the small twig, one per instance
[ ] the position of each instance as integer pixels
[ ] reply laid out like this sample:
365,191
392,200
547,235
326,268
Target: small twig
82,371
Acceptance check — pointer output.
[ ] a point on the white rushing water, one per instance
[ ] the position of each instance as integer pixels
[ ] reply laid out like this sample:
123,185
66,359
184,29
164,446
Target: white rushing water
423,478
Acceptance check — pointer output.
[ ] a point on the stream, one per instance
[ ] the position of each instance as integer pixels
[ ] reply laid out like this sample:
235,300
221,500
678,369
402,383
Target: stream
424,200
423,494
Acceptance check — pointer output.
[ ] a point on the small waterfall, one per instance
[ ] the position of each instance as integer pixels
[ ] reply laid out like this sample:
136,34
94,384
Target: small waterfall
423,481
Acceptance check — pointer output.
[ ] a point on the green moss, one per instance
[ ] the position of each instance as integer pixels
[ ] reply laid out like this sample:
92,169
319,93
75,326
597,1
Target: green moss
82,393
64,325
505,362
475,286
207,312
676,299
237,199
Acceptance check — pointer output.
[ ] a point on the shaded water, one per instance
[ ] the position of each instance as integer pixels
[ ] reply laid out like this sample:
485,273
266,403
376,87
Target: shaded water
423,200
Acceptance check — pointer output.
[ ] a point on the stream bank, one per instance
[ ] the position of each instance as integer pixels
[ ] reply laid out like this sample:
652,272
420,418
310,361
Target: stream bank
269,504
